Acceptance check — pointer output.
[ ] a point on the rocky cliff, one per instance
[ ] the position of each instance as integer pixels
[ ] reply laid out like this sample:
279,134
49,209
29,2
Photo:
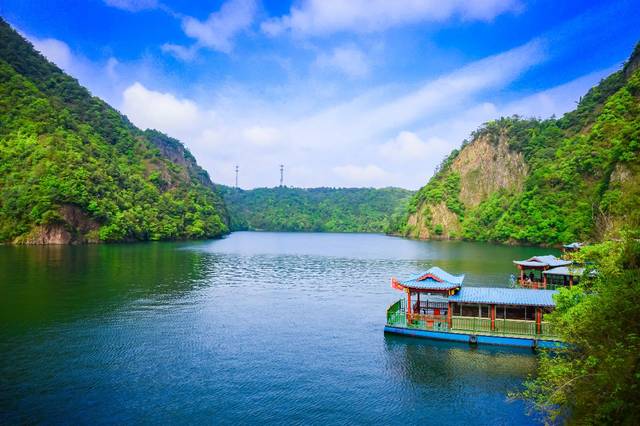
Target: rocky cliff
542,181
483,167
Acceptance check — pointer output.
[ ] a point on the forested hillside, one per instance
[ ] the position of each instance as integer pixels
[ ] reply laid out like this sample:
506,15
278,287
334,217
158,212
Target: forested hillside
315,209
542,181
73,169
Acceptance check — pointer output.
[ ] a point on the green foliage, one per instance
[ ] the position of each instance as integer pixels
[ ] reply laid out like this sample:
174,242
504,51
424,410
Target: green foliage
68,159
583,176
443,188
316,209
596,379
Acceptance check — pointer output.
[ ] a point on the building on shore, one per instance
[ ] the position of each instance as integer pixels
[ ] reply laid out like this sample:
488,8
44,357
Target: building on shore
532,270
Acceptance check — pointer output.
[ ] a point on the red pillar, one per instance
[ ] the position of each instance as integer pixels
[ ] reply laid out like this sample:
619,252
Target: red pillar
570,281
449,320
493,317
409,308
538,320
544,279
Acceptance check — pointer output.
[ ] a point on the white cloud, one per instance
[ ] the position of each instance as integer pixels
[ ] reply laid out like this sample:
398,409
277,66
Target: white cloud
557,100
320,17
408,147
54,50
163,111
261,136
132,5
89,73
345,144
388,135
111,67
348,60
221,27
374,114
185,53
369,175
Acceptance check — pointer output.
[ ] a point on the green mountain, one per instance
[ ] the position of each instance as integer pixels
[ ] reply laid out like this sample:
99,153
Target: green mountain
542,181
315,209
73,169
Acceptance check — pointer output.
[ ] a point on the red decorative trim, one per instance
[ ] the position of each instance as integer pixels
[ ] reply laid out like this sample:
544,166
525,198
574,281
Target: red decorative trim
396,284
430,275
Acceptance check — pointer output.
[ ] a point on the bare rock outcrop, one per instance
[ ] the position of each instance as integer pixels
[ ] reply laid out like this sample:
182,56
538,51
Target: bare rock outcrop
485,165
74,226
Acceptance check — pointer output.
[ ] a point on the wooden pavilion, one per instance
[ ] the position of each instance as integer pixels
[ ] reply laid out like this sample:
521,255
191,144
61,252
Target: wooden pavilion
532,270
429,291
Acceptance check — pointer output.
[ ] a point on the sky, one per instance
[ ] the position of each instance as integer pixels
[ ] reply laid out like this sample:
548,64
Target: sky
342,93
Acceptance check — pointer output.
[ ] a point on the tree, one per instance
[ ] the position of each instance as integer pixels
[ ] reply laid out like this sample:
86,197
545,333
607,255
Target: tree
596,378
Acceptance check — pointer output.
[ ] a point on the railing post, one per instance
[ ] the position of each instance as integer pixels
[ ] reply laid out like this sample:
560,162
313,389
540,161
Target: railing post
493,317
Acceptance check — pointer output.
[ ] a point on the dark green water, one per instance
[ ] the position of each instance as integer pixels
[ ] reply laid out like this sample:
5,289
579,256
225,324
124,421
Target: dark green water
255,328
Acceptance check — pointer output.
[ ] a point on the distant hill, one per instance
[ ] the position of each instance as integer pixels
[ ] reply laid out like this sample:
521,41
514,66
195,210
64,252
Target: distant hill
315,209
542,181
73,169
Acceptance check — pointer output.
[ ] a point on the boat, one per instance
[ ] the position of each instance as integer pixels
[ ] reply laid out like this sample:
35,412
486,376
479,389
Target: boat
438,306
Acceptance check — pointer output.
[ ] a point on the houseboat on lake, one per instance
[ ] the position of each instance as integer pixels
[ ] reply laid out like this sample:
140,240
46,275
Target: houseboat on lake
547,272
438,306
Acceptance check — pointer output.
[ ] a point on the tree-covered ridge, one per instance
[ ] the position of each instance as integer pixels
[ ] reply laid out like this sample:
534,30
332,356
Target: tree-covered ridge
74,169
583,173
314,209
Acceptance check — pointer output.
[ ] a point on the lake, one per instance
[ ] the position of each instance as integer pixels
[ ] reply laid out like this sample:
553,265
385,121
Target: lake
254,328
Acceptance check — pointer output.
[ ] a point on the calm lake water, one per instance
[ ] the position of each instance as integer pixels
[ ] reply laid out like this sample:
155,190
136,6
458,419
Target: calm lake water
254,328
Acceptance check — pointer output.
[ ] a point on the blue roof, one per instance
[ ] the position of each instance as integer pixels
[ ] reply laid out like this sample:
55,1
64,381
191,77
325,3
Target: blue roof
504,296
541,261
569,271
434,279
573,246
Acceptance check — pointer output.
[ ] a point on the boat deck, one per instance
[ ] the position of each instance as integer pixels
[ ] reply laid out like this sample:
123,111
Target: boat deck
470,329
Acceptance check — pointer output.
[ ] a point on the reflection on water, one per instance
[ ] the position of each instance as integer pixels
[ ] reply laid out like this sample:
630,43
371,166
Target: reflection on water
257,327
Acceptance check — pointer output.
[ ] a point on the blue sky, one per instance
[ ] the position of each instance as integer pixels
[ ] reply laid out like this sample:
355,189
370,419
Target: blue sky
343,93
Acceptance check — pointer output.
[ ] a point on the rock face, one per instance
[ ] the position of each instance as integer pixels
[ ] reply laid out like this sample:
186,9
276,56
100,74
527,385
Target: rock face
47,234
484,166
176,152
73,227
624,179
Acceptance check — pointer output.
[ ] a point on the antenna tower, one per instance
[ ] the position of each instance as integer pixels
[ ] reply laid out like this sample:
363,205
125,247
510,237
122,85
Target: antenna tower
281,175
237,176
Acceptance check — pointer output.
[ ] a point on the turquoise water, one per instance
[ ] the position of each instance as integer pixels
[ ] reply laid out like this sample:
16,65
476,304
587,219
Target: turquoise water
255,328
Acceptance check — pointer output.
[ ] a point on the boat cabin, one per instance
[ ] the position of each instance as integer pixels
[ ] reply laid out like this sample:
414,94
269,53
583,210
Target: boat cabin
504,309
532,270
